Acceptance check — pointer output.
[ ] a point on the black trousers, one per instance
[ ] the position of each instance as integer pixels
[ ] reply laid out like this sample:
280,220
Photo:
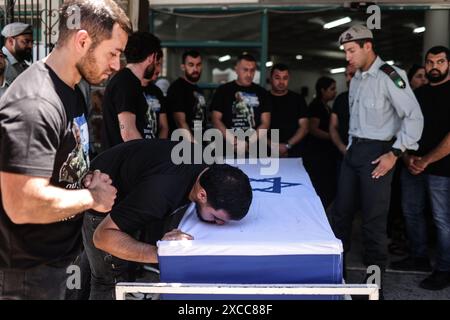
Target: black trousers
358,190
321,167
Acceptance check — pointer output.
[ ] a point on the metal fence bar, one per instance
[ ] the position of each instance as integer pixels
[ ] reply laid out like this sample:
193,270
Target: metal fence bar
371,290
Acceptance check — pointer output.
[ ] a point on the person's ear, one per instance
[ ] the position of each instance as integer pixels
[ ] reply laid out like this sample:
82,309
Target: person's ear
368,46
10,41
202,196
82,41
151,59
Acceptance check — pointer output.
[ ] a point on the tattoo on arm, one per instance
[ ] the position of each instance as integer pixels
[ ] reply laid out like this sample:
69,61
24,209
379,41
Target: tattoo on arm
122,126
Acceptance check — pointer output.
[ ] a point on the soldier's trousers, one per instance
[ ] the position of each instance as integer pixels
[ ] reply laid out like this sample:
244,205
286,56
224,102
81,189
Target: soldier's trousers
358,190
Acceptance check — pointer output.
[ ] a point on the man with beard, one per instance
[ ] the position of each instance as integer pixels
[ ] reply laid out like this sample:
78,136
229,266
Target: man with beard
3,83
125,107
40,221
185,99
427,174
151,187
385,120
17,49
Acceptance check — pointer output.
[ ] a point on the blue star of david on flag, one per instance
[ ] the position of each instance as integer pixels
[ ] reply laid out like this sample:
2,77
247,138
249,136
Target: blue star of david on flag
276,186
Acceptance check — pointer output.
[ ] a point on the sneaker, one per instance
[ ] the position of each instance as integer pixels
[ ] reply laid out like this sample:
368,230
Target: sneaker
438,280
412,264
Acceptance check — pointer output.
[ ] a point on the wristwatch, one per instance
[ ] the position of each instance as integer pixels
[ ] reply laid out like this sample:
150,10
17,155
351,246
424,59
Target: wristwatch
396,152
288,146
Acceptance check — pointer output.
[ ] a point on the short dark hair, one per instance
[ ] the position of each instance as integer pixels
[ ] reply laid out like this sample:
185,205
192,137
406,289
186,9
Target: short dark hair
437,50
140,45
363,41
323,83
228,189
279,67
189,53
97,18
246,57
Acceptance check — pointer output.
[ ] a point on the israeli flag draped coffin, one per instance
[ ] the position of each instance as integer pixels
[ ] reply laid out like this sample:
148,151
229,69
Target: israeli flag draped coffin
284,239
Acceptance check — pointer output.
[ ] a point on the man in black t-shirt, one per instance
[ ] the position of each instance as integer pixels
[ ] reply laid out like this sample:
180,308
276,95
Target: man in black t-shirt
129,111
288,113
427,173
185,99
44,156
241,104
152,188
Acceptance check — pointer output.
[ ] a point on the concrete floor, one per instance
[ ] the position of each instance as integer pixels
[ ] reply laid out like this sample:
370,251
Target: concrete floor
398,285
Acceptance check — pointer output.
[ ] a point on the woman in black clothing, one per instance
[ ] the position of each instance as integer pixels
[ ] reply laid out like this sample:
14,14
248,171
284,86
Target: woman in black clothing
320,158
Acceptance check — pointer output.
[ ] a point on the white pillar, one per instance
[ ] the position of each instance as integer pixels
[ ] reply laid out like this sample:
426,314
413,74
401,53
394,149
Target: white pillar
437,29
133,13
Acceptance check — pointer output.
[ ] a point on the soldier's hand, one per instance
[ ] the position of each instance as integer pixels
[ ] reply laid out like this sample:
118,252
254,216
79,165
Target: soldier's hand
102,192
385,163
176,234
343,149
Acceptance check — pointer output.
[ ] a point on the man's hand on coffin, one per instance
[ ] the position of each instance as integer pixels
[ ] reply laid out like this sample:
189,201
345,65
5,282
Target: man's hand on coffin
175,235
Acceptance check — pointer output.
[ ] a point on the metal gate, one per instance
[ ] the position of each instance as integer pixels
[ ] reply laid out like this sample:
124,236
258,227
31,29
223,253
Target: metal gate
43,15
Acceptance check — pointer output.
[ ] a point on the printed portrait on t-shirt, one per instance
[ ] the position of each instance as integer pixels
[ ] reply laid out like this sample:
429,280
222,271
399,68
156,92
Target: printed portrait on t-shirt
77,163
243,113
199,110
153,109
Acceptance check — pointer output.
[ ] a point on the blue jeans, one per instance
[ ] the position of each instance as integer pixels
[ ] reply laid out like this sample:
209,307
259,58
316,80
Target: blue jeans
414,192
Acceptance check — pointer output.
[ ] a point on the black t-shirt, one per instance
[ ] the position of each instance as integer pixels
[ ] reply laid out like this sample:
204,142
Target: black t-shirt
186,97
150,186
156,103
341,109
435,104
124,93
287,110
241,107
44,134
321,111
